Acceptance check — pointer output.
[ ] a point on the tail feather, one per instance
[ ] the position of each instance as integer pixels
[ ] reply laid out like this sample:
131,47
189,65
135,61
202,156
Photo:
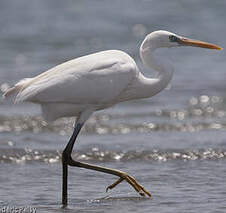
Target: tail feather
13,92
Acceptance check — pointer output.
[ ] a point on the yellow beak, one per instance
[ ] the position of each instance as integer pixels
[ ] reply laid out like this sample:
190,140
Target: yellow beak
196,43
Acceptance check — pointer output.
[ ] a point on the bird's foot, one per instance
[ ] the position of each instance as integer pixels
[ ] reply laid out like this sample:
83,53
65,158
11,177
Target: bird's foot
132,181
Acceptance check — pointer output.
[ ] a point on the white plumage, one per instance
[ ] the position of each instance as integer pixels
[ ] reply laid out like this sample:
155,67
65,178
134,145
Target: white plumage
97,79
94,81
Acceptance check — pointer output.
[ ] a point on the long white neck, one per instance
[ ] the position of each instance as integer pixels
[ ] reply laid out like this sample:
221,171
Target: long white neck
152,86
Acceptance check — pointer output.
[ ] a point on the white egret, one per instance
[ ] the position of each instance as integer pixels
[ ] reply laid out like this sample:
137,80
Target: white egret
86,84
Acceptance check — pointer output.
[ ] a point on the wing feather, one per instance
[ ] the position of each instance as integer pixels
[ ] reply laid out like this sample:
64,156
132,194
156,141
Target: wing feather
93,79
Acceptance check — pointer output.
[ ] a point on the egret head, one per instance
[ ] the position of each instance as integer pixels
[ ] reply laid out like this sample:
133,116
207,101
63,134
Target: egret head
163,38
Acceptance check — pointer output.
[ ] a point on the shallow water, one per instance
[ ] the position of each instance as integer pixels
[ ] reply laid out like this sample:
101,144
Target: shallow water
174,143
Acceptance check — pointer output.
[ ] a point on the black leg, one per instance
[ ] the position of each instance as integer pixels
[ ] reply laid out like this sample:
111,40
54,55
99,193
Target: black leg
66,157
64,183
68,161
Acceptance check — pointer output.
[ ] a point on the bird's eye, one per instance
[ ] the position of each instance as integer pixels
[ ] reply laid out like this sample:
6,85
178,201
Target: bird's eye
173,38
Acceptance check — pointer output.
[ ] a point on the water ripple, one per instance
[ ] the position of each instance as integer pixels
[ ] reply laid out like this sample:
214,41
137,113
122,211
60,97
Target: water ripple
29,156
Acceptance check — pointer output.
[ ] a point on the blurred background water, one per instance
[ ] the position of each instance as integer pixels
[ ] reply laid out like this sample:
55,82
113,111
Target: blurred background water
173,143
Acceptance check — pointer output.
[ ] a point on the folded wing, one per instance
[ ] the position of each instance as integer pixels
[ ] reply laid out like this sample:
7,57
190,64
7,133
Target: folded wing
94,79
